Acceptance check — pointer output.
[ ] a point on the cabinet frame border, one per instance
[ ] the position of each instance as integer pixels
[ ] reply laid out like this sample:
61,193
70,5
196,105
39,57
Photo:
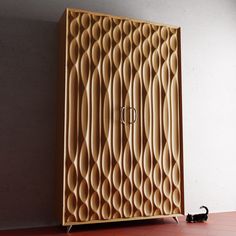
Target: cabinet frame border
62,95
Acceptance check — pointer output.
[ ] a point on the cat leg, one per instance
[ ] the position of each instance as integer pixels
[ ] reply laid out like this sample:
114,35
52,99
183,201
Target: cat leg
176,219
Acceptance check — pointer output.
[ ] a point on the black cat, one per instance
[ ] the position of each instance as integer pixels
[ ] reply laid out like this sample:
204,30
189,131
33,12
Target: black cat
198,217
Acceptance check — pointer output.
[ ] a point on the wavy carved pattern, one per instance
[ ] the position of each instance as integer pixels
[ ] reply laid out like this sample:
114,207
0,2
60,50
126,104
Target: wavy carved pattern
115,170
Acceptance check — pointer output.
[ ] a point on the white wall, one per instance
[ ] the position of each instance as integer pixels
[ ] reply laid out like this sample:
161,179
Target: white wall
209,96
209,84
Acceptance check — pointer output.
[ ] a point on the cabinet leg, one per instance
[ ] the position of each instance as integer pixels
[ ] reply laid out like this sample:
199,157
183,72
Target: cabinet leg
176,219
68,228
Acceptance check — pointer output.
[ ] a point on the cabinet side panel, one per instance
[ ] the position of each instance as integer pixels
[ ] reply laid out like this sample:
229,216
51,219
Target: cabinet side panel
61,116
181,121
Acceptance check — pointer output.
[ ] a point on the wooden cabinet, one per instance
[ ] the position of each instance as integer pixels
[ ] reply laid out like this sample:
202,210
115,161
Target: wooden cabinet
122,131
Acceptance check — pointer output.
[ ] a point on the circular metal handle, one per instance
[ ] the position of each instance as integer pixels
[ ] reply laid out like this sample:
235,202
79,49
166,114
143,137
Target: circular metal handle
134,115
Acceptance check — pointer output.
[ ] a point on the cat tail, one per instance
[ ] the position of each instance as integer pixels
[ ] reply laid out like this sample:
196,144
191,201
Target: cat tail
204,208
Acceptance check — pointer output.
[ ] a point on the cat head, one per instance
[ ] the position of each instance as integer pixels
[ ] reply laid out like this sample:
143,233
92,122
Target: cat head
189,218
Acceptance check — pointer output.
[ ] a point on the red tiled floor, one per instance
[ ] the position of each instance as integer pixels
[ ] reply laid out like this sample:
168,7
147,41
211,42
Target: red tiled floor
220,224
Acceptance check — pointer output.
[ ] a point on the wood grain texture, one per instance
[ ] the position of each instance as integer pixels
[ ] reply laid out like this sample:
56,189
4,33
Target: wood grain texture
117,170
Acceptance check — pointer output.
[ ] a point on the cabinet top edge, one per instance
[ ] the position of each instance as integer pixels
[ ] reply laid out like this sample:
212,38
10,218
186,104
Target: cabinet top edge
79,10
